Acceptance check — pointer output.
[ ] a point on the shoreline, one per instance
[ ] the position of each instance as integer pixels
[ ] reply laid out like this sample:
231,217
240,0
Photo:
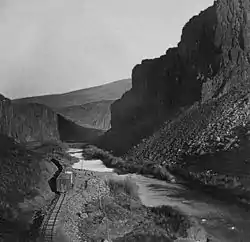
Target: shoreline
123,214
151,215
228,188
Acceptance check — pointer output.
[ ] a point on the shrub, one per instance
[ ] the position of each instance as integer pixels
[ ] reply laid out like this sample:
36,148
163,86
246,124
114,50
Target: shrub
125,185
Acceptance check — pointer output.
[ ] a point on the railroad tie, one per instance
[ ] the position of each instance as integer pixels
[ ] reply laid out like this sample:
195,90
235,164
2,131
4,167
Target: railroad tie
49,222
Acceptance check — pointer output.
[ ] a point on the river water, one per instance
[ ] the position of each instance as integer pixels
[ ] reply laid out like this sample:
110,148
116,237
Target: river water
223,221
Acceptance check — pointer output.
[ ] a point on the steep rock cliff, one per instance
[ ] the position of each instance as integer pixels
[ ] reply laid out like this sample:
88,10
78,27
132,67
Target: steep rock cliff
211,59
28,122
71,132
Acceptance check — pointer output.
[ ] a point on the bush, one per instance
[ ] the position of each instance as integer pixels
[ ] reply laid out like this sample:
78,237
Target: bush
125,185
93,153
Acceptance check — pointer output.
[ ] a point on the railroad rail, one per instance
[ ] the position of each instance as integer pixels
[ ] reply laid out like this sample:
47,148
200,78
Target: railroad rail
50,220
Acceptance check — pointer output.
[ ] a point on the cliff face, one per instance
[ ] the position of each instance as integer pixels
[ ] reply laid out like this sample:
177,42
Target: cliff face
211,59
28,122
71,132
90,115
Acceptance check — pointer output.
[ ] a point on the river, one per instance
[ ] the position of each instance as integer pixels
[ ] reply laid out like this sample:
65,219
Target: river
223,221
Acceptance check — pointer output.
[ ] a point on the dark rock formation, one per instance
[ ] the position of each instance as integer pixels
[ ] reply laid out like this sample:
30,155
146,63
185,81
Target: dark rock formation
34,122
25,191
211,59
28,122
208,144
1,97
71,132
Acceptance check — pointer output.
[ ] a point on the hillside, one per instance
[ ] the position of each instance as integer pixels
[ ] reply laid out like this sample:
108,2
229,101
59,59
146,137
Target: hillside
208,143
25,191
89,107
24,188
30,134
211,59
110,91
188,110
94,114
71,132
34,122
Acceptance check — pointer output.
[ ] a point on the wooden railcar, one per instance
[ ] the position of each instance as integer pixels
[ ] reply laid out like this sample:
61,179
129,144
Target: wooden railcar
65,181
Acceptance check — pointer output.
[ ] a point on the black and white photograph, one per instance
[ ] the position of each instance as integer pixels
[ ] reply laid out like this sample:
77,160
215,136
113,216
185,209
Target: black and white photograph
124,121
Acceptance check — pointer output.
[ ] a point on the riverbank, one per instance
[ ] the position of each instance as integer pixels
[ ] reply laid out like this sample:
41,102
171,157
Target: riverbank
224,185
123,167
99,207
226,216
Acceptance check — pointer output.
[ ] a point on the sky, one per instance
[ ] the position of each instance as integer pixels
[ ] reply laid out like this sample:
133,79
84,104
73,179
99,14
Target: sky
56,46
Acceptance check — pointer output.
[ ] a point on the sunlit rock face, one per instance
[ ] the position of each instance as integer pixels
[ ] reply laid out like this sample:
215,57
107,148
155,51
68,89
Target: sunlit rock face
27,122
211,59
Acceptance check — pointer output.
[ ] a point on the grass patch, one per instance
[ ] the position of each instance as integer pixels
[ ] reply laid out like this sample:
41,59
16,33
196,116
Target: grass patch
125,185
170,220
91,152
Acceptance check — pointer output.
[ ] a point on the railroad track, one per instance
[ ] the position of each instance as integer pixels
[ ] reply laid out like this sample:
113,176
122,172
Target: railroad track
50,220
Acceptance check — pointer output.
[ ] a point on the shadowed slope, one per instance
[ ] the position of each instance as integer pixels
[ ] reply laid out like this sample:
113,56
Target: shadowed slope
95,114
211,59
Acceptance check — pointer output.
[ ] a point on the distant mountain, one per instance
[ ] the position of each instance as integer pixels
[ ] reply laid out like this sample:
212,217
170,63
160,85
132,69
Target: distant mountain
95,114
88,107
110,91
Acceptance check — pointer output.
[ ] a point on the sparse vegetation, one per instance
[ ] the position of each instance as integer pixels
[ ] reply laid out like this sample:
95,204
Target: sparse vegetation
91,152
207,143
24,190
118,184
105,212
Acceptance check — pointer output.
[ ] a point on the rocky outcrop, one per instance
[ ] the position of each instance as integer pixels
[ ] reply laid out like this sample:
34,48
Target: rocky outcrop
28,122
211,59
37,123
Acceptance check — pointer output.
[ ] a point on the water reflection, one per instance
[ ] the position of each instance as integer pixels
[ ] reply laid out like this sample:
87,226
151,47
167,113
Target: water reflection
92,165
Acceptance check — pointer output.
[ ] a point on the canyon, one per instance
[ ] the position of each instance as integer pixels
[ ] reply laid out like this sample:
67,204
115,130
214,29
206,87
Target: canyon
187,114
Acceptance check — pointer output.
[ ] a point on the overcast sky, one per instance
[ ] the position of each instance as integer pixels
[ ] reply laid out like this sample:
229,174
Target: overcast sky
55,46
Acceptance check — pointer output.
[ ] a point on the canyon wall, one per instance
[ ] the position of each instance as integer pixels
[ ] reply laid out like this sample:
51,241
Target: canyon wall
28,122
211,59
